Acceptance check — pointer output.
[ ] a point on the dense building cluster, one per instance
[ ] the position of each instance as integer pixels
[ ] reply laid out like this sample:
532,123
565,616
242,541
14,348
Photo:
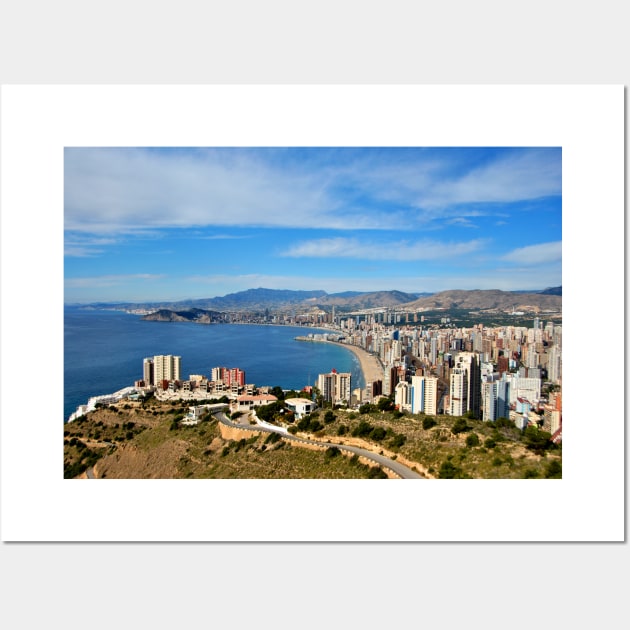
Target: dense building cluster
487,373
484,372
162,373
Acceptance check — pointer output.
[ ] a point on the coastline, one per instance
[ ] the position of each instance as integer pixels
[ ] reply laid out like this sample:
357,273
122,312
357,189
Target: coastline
370,364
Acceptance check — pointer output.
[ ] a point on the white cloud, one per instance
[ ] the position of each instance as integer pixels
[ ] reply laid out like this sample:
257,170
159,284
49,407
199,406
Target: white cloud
84,246
120,190
113,190
543,253
342,247
515,177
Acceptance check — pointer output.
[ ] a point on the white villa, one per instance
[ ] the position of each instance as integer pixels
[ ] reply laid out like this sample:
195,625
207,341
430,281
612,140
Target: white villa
246,402
300,406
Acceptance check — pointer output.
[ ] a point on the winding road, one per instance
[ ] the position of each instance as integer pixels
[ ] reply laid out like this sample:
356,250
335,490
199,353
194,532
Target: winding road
404,472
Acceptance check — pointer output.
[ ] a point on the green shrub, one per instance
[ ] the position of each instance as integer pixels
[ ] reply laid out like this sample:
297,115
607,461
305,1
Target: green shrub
448,470
554,470
377,433
376,472
398,440
460,426
363,429
472,440
332,451
536,440
505,423
428,423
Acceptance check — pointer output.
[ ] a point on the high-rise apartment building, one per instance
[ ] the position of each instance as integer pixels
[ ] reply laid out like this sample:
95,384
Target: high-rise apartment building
335,387
522,387
458,393
465,385
496,400
402,396
424,395
166,368
147,372
555,364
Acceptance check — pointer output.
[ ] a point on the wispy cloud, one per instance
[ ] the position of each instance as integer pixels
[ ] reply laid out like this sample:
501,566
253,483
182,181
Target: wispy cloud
108,280
223,237
542,253
514,177
116,190
369,250
82,246
462,222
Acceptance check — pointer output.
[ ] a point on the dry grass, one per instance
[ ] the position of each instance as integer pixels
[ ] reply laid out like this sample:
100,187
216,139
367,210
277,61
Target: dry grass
154,451
151,449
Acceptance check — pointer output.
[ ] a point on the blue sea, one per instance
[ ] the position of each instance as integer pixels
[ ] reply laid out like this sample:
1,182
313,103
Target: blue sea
103,352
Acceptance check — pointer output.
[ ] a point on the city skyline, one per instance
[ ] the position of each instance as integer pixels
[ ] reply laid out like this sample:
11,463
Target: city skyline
184,223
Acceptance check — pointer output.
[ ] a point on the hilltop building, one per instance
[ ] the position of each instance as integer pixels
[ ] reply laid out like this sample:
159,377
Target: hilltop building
161,368
335,387
300,406
166,368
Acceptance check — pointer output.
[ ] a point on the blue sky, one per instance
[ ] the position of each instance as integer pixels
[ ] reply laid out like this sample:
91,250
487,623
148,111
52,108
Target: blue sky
144,224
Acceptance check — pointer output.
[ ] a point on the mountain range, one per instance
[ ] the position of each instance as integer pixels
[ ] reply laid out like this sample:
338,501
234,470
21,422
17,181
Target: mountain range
276,299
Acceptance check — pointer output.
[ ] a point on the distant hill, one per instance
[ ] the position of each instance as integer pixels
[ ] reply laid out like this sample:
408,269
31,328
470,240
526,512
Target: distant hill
490,300
253,299
258,300
197,315
552,291
277,299
376,299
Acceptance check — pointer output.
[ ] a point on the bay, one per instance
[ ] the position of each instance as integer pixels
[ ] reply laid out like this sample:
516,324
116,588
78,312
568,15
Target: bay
103,352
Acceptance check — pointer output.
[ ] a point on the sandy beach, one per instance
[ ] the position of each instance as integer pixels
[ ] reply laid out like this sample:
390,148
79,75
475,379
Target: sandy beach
370,364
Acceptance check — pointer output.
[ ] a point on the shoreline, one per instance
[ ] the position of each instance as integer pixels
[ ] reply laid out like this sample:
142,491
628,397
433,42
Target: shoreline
370,364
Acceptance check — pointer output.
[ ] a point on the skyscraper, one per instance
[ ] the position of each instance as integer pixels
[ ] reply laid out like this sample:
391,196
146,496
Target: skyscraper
424,394
465,386
166,368
335,387
147,372
555,364
496,400
402,396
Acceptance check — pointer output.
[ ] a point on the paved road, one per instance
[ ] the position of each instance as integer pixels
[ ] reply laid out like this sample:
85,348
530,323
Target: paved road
402,471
